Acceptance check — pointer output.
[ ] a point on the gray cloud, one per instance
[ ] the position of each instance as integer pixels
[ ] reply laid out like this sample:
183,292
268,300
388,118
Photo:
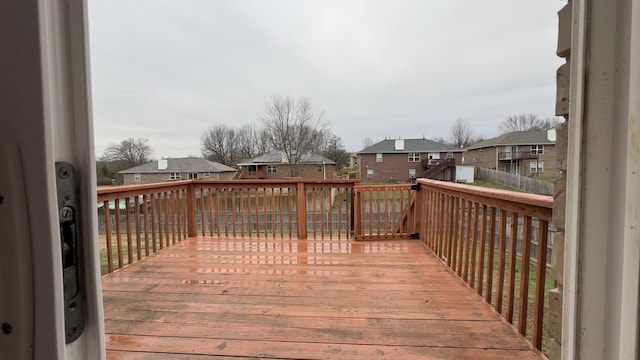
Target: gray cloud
166,70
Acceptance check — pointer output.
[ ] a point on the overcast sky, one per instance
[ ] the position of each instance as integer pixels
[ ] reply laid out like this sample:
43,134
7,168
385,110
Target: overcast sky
166,70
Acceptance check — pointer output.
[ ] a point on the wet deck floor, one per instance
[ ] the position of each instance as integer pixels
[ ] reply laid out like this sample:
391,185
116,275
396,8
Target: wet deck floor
210,298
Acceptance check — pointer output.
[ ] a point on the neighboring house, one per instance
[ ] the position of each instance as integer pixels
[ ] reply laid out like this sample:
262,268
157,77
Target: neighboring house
177,169
275,165
404,159
528,153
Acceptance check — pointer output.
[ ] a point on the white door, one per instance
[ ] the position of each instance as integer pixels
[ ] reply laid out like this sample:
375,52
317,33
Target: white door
50,297
434,158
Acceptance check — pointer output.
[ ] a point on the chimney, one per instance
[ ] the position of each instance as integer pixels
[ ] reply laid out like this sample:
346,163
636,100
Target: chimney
163,164
551,134
399,144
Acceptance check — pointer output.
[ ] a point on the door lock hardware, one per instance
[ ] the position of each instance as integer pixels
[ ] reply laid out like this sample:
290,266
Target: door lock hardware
68,216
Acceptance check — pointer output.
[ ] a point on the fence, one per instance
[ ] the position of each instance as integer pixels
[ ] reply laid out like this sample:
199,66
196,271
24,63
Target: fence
515,181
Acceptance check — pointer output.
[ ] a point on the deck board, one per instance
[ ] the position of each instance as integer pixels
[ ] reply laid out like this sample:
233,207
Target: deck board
210,298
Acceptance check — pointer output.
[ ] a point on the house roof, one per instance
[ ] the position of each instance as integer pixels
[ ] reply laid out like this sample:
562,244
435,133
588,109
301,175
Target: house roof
410,146
278,157
181,165
516,138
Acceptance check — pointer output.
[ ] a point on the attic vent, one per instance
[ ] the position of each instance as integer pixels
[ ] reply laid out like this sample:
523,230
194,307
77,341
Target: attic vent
399,144
163,164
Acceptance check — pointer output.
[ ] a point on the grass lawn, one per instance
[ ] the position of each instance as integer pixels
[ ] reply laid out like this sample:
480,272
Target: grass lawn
489,184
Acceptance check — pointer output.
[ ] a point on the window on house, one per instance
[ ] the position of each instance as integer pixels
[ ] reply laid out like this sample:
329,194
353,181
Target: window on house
412,173
272,169
136,177
414,157
252,168
193,176
536,166
449,155
319,168
369,173
207,174
537,149
174,176
379,157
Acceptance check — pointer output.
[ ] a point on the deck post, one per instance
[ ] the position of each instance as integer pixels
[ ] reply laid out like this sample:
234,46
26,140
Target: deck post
301,211
192,229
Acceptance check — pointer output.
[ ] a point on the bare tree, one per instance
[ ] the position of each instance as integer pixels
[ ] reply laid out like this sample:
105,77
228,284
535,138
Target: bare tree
461,133
128,153
219,144
294,127
251,141
526,122
366,142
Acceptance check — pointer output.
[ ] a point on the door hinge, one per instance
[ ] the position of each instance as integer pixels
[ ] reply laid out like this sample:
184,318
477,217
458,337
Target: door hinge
68,215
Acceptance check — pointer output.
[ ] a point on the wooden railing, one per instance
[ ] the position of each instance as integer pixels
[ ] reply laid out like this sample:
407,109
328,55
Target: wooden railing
139,220
475,232
384,212
135,221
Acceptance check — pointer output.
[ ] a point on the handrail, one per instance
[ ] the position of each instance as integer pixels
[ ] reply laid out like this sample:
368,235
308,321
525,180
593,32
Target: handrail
458,223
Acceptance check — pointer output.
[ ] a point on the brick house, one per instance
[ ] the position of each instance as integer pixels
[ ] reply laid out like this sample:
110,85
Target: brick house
177,169
528,153
403,159
275,165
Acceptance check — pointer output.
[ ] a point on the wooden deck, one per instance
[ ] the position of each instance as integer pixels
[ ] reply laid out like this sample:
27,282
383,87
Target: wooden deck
210,298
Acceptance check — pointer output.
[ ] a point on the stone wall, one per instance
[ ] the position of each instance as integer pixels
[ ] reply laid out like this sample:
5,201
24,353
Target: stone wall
559,198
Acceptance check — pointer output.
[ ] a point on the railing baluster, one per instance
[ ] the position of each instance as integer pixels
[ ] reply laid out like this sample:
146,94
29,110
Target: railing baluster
136,213
118,234
107,229
501,262
233,212
210,208
265,211
217,210
203,220
257,209
446,239
161,222
541,269
464,215
455,232
290,199
492,237
468,240
153,221
127,216
512,266
323,199
474,244
313,209
174,216
165,204
483,244
525,260
145,218
280,200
